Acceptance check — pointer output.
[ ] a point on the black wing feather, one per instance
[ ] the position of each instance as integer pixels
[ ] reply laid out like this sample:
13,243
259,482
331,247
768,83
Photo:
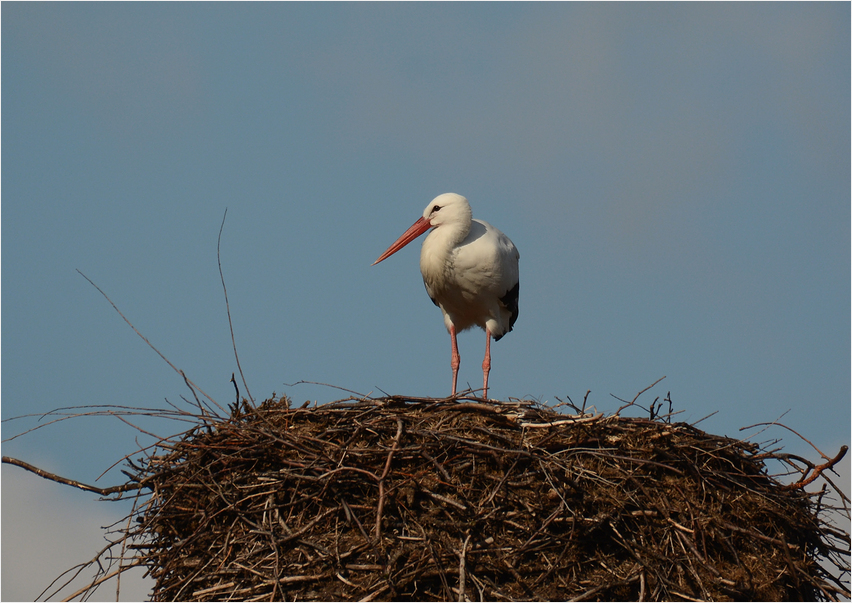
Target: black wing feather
510,300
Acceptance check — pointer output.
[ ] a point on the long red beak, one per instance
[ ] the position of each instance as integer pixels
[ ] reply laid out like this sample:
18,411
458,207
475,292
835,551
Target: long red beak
417,229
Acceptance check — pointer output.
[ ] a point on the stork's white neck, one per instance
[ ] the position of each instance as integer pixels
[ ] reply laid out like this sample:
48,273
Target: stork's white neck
437,257
451,226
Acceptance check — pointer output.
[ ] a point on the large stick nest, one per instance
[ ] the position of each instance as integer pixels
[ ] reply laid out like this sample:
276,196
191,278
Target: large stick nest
401,499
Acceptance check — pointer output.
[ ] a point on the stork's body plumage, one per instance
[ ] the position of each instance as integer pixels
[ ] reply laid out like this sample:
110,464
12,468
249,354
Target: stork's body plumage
470,270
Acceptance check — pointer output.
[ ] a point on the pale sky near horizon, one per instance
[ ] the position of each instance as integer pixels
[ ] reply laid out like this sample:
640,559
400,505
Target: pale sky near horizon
675,176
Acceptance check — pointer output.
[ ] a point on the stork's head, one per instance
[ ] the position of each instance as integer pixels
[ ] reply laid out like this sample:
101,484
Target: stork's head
449,209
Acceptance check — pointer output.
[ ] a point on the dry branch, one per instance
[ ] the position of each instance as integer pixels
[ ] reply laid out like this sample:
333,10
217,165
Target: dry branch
70,482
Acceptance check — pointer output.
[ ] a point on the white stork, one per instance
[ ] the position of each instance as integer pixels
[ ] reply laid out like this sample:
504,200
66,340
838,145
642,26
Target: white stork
470,270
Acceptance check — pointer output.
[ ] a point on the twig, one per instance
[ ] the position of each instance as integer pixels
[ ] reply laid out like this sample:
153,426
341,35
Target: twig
343,389
462,556
101,580
228,309
124,540
145,339
236,387
636,397
817,471
788,429
568,421
381,504
704,418
70,482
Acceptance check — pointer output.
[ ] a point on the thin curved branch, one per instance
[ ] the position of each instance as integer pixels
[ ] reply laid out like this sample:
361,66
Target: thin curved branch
70,482
135,330
228,307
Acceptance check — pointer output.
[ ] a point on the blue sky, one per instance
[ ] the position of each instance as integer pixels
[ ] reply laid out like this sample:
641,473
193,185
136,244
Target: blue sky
675,176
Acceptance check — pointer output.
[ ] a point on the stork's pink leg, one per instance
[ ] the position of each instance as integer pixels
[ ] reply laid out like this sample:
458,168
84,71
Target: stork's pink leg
456,360
486,364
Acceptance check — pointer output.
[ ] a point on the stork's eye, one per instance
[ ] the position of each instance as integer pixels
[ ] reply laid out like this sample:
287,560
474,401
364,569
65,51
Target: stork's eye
436,208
